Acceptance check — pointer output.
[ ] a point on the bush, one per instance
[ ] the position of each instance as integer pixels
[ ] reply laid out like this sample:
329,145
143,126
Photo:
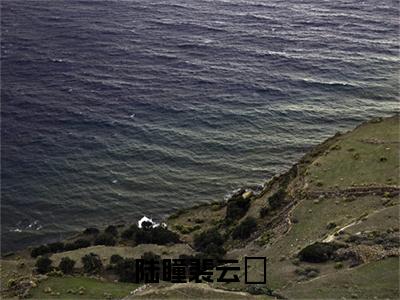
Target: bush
130,232
150,256
202,240
56,247
92,263
66,265
339,265
308,272
115,259
277,199
331,225
43,264
258,289
236,208
317,252
245,228
80,243
157,235
125,269
213,251
210,244
264,211
91,231
187,229
105,239
112,230
41,250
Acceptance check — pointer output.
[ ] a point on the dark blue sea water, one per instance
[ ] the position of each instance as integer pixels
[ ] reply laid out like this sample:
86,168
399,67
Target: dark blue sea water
116,109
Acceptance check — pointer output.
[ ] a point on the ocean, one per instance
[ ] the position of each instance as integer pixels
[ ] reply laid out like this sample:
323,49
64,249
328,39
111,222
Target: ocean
112,110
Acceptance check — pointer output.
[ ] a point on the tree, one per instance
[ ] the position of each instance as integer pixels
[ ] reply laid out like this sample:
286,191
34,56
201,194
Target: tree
92,263
43,264
66,265
245,228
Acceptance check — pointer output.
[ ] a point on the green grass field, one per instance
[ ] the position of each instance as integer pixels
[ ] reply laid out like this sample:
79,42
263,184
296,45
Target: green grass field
366,156
378,279
93,288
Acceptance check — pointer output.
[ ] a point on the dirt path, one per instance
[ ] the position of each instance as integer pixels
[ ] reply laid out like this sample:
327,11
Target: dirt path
331,237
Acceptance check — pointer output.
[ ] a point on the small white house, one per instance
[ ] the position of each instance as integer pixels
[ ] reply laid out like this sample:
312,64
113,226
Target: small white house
153,224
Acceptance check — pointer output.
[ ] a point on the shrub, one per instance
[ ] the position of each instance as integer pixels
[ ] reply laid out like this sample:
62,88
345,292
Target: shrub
187,229
91,263
157,235
213,251
130,232
150,256
236,208
317,252
112,230
66,265
91,231
276,200
115,259
210,244
41,250
105,239
331,225
125,269
80,243
339,265
264,211
55,273
245,228
56,247
308,272
43,264
202,240
258,289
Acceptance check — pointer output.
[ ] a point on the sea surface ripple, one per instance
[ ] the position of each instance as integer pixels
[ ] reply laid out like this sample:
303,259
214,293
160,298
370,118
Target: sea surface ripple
116,109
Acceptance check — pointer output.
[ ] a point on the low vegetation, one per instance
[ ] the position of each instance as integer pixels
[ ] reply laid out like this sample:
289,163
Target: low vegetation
43,265
318,252
66,265
92,263
245,228
237,207
277,199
